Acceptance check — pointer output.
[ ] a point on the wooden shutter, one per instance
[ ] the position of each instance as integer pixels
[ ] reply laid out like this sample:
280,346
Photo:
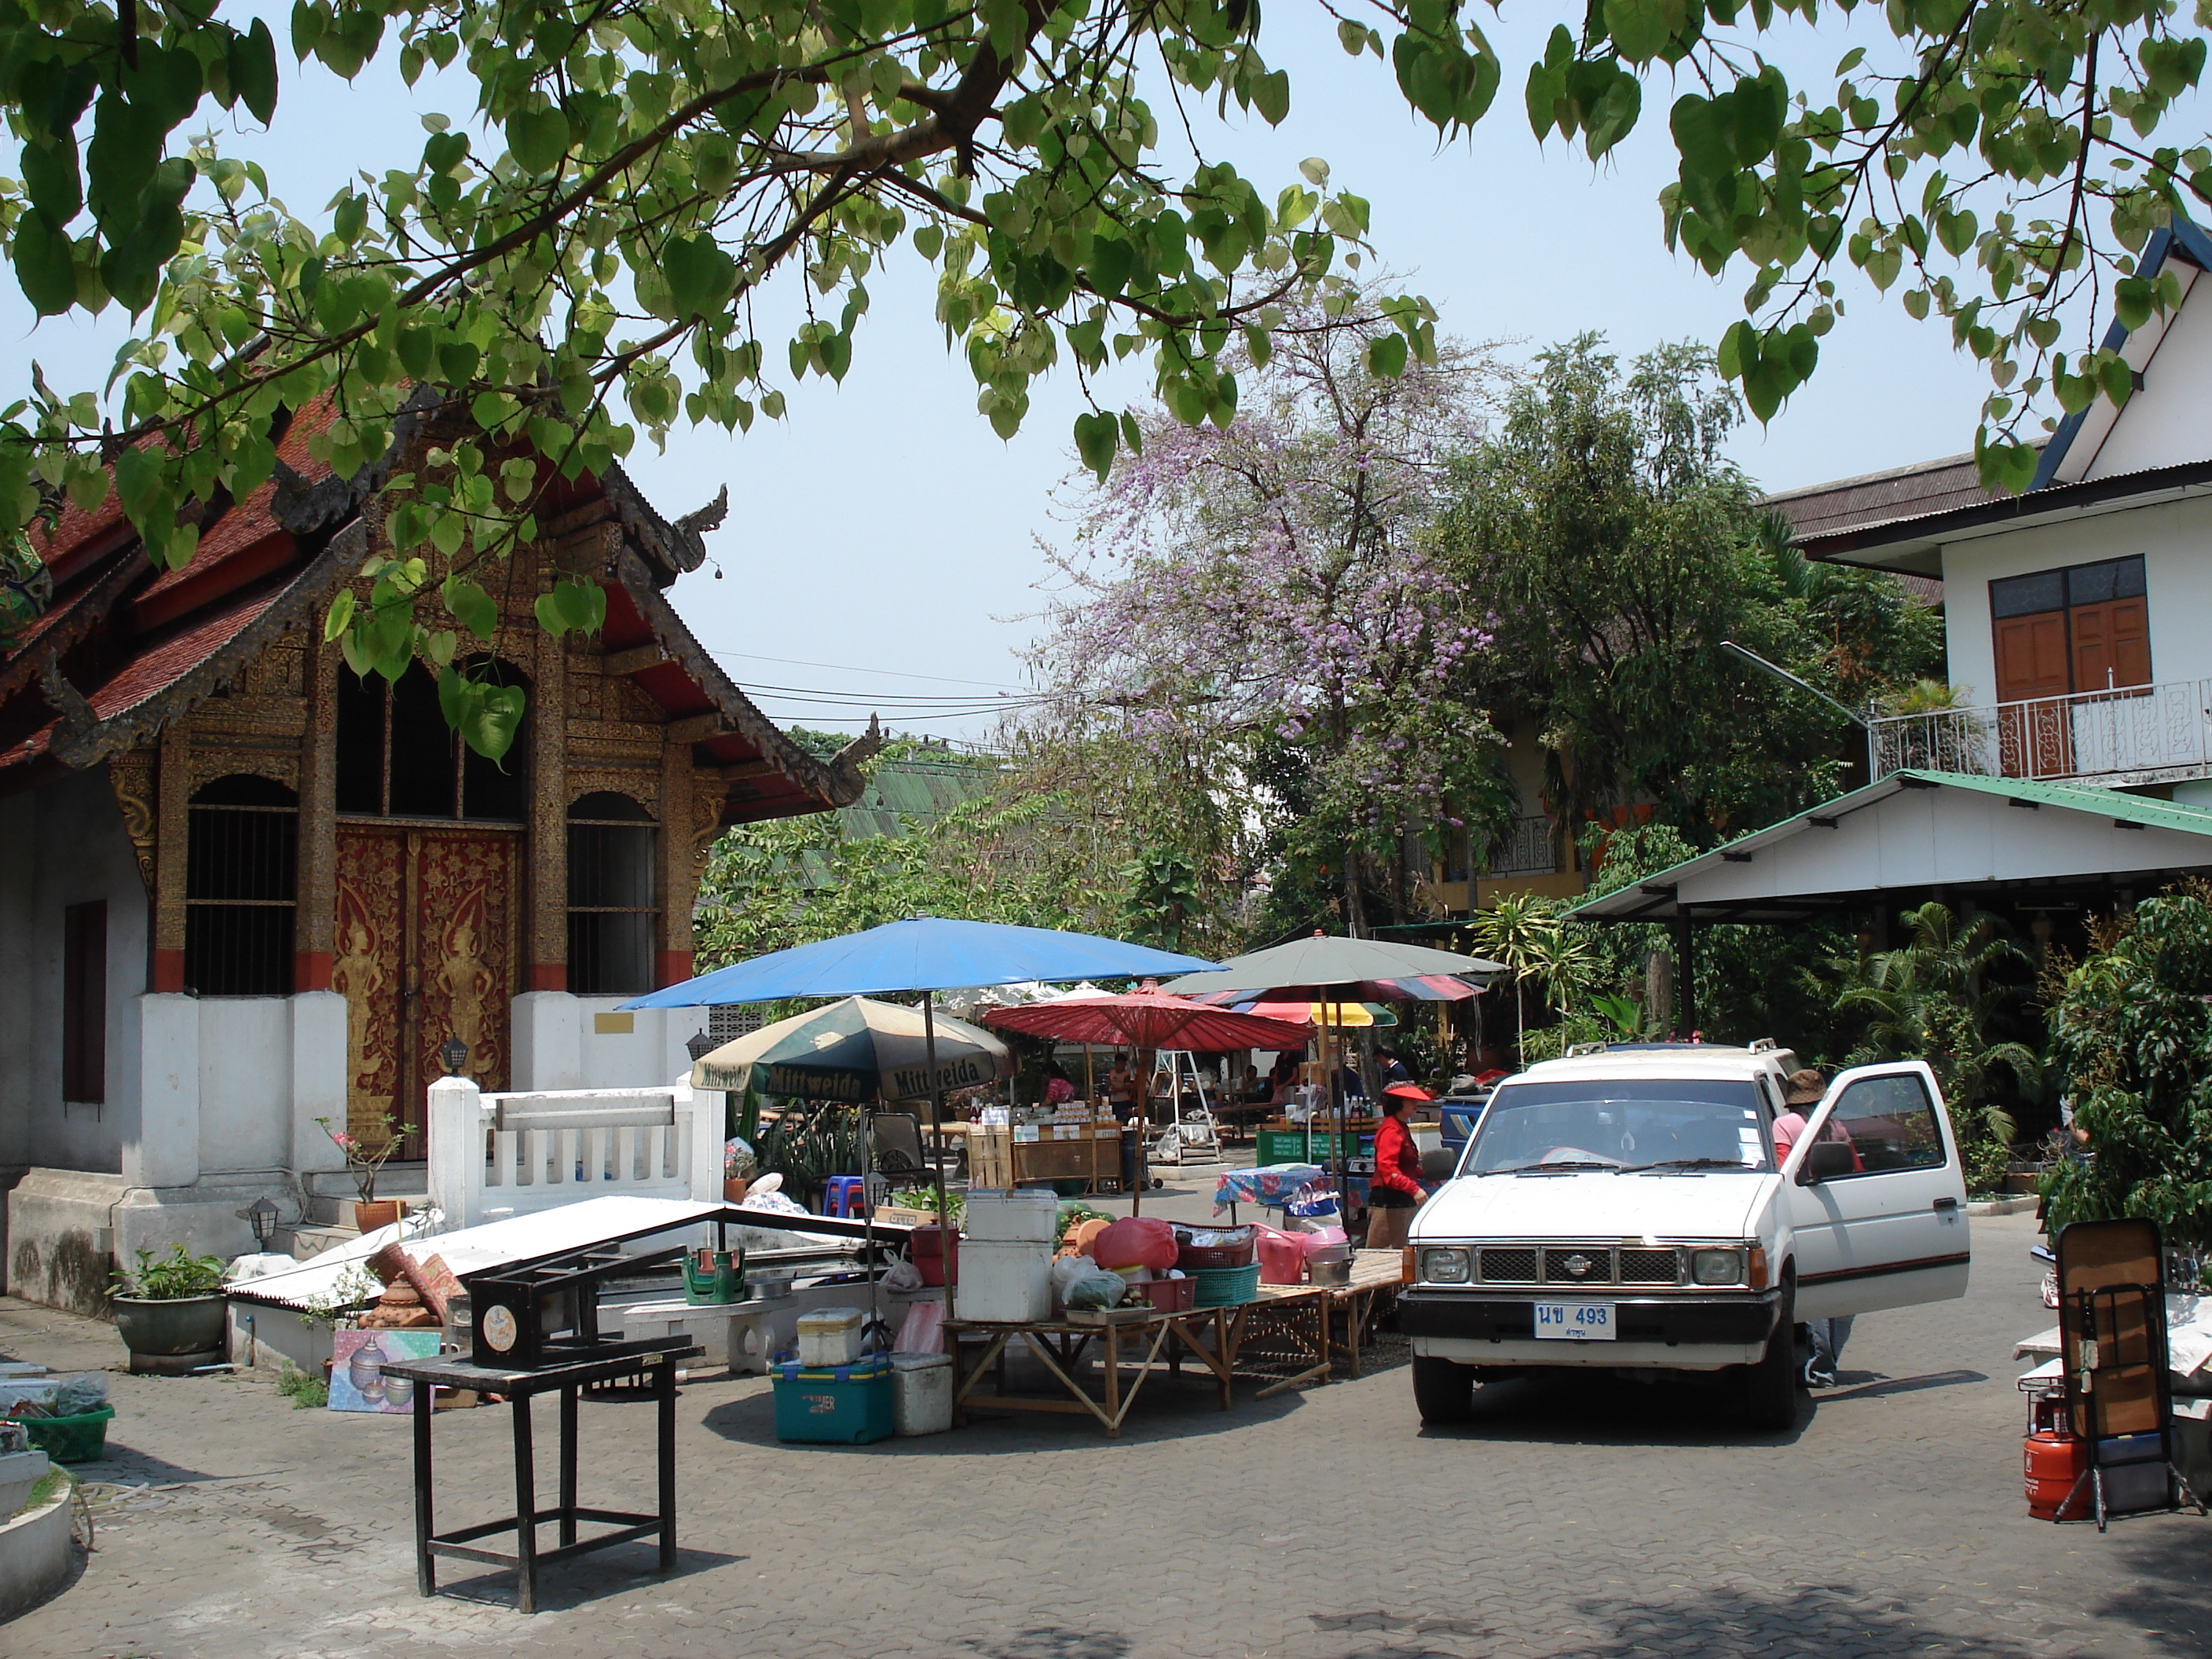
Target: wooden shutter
84,1003
2112,645
2031,657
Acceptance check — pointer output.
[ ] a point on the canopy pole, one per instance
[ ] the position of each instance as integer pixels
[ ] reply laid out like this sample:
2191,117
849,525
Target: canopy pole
1148,1059
1336,1097
937,1129
868,1213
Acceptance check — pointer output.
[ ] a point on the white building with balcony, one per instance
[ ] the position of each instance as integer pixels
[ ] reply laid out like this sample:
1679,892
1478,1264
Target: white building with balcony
2078,613
2073,774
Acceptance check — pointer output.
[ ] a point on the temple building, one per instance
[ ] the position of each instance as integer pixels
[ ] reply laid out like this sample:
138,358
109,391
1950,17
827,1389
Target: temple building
244,890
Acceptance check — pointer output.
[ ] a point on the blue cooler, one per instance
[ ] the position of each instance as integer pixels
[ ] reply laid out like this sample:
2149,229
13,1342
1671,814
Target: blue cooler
847,1405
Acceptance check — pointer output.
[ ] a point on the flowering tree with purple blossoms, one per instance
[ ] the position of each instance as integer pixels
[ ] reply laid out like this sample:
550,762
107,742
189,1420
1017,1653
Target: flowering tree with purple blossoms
1267,598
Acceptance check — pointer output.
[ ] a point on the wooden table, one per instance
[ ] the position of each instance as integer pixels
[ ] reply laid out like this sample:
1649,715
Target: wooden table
1060,1343
1309,1315
429,1375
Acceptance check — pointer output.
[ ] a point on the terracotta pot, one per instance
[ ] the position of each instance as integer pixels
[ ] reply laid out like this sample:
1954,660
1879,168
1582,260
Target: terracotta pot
379,1212
170,1325
734,1189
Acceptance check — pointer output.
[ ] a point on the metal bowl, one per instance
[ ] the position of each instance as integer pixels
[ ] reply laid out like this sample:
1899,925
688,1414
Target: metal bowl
769,1290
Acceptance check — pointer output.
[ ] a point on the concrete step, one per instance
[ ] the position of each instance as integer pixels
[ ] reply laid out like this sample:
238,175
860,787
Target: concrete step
308,1241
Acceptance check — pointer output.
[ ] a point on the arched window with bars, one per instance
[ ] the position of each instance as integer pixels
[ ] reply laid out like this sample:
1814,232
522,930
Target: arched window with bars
241,887
614,909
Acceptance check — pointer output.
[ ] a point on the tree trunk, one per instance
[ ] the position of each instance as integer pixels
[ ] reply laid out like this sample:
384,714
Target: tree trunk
1355,902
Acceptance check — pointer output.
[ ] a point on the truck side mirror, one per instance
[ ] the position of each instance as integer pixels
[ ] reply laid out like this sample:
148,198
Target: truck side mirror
1437,1165
1825,1160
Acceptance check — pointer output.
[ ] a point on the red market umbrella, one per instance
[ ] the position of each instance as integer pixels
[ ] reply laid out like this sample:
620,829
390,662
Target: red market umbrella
1146,1019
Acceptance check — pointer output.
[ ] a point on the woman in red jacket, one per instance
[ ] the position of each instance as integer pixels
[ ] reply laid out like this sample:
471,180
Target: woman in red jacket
1395,1192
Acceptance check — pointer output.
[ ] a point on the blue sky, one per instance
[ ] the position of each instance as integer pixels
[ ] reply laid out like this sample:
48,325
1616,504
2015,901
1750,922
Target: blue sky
884,528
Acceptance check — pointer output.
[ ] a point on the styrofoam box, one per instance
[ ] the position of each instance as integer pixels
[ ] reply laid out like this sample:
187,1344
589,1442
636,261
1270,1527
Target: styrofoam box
1021,1216
921,1392
1003,1281
830,1336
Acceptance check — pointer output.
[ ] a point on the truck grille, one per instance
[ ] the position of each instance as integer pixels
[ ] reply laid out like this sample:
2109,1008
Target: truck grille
1578,1264
1515,1267
1649,1267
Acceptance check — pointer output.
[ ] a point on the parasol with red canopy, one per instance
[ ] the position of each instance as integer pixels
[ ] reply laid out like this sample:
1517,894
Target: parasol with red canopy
1146,1019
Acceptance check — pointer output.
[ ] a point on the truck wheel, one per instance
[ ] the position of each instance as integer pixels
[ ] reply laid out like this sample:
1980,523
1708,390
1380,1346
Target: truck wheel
1443,1389
1770,1388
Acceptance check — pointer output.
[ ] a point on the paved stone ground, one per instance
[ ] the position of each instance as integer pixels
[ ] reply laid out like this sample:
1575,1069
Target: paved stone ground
1602,1521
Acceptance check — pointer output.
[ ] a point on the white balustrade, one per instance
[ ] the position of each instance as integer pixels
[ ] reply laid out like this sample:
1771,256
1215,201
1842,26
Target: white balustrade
518,1153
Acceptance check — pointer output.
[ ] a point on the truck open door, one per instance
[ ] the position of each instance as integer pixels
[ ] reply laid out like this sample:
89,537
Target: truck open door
1877,1196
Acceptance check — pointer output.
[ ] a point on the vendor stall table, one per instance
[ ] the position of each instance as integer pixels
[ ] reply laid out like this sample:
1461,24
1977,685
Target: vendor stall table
519,1387
1060,1343
1308,1318
1036,1155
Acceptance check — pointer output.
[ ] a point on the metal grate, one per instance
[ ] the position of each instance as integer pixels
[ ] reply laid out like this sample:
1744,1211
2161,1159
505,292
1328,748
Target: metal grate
1514,1267
241,888
1593,1262
613,909
727,1024
1651,1267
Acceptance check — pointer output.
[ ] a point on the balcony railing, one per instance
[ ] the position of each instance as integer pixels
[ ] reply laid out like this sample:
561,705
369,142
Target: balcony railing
1525,850
2137,734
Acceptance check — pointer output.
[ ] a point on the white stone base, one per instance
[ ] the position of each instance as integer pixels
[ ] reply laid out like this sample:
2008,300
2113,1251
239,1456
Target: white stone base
67,1229
37,1553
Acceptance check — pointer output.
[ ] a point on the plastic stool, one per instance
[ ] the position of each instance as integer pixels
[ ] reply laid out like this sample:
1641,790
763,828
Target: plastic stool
845,1195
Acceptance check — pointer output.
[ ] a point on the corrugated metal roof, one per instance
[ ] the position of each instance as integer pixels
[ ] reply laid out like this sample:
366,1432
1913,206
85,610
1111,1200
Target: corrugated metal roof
1902,492
1652,899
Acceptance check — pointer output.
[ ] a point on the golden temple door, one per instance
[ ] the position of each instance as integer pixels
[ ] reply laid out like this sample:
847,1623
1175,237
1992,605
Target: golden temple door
426,949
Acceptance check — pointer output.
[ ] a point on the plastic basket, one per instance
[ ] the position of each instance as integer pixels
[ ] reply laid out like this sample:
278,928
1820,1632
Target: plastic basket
79,1439
1224,1288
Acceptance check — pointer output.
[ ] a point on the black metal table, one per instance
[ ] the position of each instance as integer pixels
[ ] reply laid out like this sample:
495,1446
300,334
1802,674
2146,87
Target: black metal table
519,1388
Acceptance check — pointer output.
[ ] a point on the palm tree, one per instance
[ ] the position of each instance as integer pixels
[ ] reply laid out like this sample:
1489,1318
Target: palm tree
1931,999
1527,931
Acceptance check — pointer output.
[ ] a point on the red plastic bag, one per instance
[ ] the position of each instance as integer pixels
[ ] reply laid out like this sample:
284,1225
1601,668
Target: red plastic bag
1136,1241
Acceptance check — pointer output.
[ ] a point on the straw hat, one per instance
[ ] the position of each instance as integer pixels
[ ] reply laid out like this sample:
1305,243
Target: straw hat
1804,1088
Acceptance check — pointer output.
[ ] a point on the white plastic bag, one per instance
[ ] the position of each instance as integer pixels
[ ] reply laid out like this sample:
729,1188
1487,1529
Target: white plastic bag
903,1276
1065,1270
1097,1289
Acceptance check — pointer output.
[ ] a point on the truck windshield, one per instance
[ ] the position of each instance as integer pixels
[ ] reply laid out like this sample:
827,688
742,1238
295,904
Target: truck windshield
1614,1123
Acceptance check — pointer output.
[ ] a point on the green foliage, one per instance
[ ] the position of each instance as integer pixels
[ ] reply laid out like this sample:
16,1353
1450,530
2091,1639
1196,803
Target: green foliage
2131,1041
305,1392
809,1141
53,1484
1618,548
169,1278
1941,997
925,1200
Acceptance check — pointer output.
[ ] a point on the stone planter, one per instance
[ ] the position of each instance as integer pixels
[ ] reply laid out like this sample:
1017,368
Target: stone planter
170,1327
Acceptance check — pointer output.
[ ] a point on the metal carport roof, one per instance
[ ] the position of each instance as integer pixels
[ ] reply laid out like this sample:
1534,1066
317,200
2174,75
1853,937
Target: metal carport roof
1915,831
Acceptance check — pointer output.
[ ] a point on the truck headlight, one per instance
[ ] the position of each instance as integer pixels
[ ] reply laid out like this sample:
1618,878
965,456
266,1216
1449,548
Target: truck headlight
1444,1266
1716,1267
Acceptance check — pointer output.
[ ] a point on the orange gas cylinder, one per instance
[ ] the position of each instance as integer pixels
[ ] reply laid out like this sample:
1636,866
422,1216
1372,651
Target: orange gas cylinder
2053,1461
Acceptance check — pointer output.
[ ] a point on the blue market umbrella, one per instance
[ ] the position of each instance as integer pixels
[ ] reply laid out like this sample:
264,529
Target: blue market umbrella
923,953
926,954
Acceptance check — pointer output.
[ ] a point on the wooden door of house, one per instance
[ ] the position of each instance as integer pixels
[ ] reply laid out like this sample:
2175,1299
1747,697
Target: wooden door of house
427,938
2034,732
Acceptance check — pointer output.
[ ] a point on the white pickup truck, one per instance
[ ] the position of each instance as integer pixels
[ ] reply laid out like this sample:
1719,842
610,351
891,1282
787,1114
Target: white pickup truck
1625,1210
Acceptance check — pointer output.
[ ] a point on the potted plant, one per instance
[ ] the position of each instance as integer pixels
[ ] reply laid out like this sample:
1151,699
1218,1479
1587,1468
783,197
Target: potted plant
739,1166
170,1306
363,1160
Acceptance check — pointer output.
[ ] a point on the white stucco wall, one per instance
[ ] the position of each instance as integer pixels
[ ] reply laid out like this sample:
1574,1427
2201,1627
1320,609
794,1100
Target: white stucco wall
245,1082
2164,421
558,1043
66,846
2175,540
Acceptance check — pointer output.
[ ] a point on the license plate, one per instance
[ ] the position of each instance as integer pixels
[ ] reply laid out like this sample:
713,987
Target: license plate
1575,1322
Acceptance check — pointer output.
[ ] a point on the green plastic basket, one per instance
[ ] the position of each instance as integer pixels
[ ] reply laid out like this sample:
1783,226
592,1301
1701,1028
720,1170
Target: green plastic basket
1224,1288
79,1439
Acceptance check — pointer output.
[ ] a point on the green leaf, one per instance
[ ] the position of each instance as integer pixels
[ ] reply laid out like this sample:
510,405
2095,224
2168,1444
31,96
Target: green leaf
1386,355
1271,96
700,275
44,266
538,138
1096,437
470,605
491,718
341,614
253,70
50,176
1639,28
